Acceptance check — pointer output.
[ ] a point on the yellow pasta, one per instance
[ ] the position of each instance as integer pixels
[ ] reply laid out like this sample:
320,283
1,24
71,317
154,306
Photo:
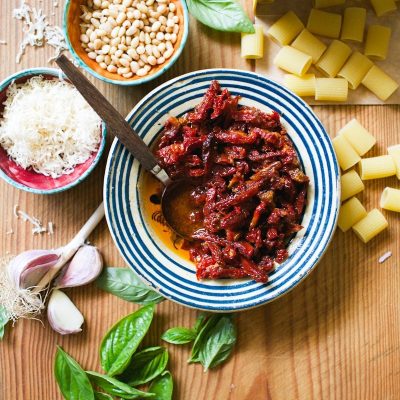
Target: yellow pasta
303,86
380,83
285,29
355,69
350,213
351,184
370,226
252,45
382,7
358,137
334,58
394,152
331,89
346,155
390,199
293,60
377,43
324,23
354,24
377,167
309,44
328,3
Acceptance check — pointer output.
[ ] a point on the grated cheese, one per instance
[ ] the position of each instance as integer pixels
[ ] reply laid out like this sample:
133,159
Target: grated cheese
384,257
48,126
37,225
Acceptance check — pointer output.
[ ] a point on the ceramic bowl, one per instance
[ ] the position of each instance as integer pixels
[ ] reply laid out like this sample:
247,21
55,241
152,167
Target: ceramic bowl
173,276
71,25
27,179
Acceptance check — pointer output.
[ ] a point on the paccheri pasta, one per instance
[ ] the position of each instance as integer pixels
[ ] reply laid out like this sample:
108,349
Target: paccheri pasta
370,226
377,167
350,213
380,83
351,185
331,89
324,23
346,155
382,7
390,199
285,29
334,58
309,44
293,60
301,85
377,43
354,24
394,152
358,137
252,45
355,69
328,3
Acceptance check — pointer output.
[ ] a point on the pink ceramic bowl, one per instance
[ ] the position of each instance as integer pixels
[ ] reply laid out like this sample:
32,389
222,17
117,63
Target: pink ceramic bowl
29,180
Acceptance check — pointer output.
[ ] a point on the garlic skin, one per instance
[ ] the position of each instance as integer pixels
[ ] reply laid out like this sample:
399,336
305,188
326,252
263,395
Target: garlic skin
63,315
84,267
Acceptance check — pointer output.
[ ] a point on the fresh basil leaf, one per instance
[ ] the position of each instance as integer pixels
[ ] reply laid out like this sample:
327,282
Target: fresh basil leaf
201,319
162,386
145,366
223,15
71,378
124,283
179,335
116,388
122,340
102,396
4,318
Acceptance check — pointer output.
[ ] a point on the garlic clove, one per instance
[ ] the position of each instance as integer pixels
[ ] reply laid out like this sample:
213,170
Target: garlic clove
85,267
62,314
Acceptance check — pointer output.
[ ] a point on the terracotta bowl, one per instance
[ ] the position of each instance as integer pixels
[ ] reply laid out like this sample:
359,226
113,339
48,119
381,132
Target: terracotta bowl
71,25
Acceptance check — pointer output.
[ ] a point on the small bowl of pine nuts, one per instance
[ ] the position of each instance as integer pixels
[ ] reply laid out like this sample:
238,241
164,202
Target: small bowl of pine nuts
126,42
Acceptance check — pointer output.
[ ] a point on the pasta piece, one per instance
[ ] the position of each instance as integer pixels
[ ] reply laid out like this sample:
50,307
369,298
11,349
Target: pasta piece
394,152
346,155
309,44
350,213
354,24
255,2
358,137
328,3
380,83
382,7
324,23
355,69
331,89
377,167
293,60
334,58
285,29
252,46
390,199
303,86
377,43
351,185
370,226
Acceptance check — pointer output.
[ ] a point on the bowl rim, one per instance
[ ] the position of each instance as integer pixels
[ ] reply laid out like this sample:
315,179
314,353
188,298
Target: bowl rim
58,74
135,82
335,179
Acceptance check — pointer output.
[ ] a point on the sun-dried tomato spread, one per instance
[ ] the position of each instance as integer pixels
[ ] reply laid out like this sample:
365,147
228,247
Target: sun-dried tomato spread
251,191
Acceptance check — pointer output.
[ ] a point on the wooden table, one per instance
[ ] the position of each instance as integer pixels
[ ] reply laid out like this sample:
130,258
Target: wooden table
335,336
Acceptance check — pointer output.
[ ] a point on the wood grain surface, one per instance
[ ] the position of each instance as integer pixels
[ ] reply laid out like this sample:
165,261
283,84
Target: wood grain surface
335,336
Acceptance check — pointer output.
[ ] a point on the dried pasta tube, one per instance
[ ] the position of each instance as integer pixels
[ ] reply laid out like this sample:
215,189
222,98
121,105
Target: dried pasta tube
382,7
252,45
377,43
354,24
331,89
324,23
309,44
380,83
346,155
293,60
390,199
377,167
370,226
328,3
358,137
334,58
301,85
351,184
285,29
355,69
350,213
394,152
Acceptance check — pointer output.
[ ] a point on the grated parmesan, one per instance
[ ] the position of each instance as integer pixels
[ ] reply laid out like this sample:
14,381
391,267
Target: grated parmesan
384,257
48,126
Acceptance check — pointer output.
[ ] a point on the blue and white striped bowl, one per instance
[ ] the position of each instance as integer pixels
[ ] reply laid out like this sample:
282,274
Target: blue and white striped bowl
175,277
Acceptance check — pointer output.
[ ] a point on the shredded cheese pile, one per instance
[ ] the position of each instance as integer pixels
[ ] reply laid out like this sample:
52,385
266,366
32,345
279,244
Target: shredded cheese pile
48,126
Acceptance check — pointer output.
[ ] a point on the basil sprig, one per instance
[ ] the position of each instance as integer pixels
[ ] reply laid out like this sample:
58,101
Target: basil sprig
162,386
124,283
3,320
179,335
222,15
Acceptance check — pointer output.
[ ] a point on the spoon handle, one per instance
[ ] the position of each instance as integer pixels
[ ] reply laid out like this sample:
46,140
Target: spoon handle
113,119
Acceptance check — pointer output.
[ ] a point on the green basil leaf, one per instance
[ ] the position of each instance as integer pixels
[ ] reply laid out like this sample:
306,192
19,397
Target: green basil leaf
145,366
4,318
116,388
179,335
71,378
201,319
124,283
223,15
102,396
162,386
122,340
